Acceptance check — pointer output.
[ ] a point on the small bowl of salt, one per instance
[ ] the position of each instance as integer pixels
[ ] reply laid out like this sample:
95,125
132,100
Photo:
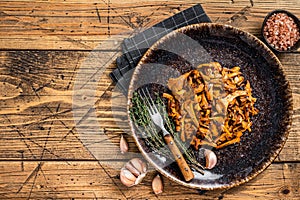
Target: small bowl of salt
281,31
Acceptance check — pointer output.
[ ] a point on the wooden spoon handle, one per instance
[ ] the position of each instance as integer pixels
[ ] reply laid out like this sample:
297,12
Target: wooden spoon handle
181,162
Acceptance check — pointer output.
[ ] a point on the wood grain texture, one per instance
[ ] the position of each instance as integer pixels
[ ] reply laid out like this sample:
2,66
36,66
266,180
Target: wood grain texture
40,85
84,25
56,115
91,180
180,160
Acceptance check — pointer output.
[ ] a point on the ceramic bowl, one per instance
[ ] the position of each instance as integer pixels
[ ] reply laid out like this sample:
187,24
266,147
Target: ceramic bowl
182,50
296,20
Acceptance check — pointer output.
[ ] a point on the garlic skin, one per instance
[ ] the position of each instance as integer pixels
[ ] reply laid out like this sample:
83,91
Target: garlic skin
133,172
126,177
123,145
211,159
157,184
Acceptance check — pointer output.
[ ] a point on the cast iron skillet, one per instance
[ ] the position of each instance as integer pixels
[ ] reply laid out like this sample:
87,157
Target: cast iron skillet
185,48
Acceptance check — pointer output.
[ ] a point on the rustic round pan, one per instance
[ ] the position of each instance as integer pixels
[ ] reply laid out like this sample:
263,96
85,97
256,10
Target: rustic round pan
175,54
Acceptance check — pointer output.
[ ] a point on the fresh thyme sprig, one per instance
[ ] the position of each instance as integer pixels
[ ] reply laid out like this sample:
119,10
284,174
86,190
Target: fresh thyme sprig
140,116
146,128
187,151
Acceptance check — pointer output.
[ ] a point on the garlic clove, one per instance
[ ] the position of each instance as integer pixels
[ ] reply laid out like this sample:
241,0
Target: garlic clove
144,167
123,144
139,164
211,159
157,184
128,174
127,182
133,172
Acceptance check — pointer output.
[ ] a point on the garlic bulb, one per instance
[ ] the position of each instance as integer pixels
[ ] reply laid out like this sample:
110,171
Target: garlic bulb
133,172
123,144
211,158
157,184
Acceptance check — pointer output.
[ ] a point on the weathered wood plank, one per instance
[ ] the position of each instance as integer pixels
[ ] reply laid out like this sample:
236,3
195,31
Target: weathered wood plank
37,113
48,114
67,180
84,25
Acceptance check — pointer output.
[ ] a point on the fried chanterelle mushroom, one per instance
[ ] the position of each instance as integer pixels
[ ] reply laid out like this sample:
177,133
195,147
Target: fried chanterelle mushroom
211,105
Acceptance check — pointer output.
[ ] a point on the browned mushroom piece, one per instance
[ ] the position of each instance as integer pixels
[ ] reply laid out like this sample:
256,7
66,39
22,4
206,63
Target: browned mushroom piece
211,105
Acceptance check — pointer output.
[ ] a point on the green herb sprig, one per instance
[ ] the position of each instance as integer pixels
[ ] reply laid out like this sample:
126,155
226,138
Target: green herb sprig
146,128
150,133
187,151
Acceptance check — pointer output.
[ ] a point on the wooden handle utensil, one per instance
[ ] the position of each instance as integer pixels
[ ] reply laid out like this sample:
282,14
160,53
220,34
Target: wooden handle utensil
181,162
158,121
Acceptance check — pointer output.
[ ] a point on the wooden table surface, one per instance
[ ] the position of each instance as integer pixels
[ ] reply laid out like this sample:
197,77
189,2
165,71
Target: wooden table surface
52,49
